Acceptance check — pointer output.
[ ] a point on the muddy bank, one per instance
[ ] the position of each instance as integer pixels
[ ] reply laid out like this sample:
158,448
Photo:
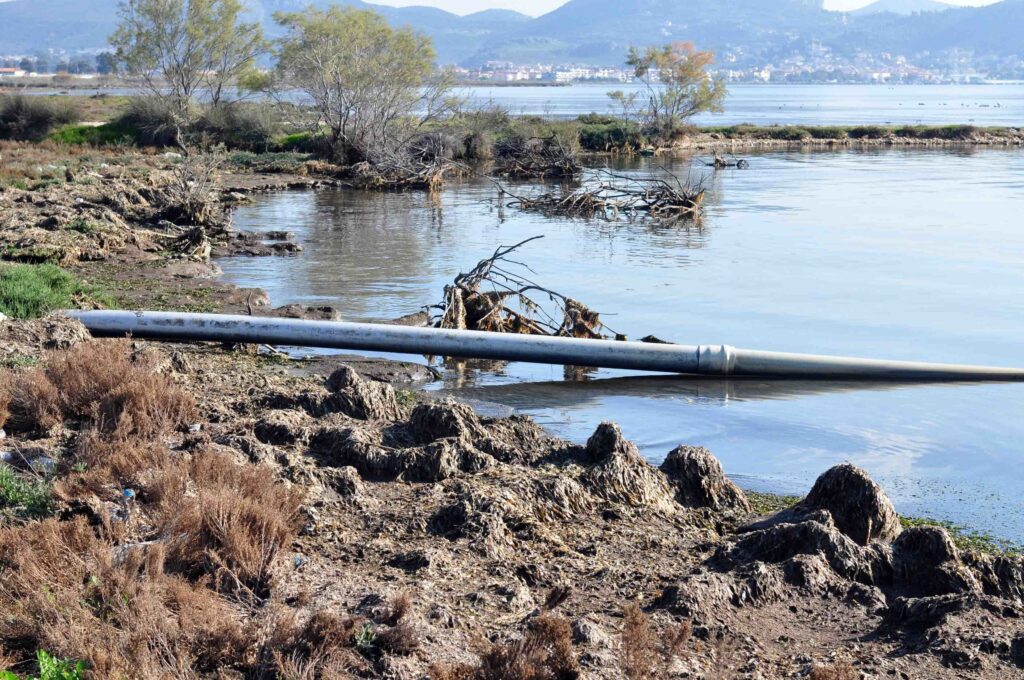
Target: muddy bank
712,141
491,528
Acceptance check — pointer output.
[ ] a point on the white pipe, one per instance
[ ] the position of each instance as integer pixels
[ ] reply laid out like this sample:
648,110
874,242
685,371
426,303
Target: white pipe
714,360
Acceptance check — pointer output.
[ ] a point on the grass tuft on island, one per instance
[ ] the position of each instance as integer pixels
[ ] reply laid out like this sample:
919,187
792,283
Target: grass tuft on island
28,291
967,540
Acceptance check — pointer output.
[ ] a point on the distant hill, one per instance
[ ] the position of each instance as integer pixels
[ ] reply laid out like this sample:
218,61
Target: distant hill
746,32
29,25
903,7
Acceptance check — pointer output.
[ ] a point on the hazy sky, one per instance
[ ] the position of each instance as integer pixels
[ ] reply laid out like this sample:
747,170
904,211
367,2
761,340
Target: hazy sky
537,7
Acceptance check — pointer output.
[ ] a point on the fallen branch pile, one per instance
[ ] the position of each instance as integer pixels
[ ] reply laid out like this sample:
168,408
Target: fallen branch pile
609,196
537,158
492,297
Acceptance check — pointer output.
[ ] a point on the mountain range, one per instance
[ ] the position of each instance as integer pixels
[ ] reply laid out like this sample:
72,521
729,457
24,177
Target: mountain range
599,32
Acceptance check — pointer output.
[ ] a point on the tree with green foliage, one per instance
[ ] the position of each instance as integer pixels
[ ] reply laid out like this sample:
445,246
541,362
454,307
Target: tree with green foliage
180,48
372,86
677,86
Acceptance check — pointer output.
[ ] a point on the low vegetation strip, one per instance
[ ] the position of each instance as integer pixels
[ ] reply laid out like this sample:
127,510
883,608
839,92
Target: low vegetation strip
29,291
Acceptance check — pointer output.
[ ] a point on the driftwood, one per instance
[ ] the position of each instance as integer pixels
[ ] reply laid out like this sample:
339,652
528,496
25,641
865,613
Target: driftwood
720,162
609,196
409,173
494,297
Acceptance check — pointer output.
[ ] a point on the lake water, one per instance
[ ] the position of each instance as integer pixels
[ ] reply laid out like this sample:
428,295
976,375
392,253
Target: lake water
890,254
996,104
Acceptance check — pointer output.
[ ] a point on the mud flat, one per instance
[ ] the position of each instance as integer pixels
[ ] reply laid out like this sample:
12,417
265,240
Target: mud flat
437,539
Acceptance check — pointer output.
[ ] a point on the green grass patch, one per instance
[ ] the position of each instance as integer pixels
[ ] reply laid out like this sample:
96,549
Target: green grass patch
28,291
52,668
302,142
110,134
21,497
770,503
610,134
967,539
283,161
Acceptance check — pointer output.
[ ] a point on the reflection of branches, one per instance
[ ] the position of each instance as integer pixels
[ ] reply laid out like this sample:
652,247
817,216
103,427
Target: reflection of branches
480,300
610,195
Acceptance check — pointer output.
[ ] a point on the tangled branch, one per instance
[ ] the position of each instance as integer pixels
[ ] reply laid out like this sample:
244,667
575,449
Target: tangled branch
609,195
494,297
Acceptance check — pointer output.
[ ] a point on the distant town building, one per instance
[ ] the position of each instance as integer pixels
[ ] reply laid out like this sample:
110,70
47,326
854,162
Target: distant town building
12,73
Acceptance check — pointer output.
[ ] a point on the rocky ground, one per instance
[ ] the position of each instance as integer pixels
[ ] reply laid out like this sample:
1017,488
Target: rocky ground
490,529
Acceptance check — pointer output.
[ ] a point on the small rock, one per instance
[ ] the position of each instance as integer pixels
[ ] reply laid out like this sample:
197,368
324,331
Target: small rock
344,480
1017,650
585,631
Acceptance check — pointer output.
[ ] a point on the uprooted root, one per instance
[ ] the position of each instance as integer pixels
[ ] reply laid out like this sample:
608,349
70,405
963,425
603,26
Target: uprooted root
492,297
610,196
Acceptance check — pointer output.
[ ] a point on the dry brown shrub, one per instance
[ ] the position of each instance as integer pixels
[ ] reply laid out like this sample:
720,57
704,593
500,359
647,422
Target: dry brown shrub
111,464
5,397
643,655
841,670
146,406
439,671
69,591
639,654
544,653
34,403
399,608
89,371
675,639
226,520
101,382
318,648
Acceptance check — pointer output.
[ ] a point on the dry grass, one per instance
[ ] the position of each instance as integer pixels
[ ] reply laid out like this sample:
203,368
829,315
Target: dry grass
189,601
643,654
5,397
227,521
544,653
841,670
67,590
401,637
102,383
34,403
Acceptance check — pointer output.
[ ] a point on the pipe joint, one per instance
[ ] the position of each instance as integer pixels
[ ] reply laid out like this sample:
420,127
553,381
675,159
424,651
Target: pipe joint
716,360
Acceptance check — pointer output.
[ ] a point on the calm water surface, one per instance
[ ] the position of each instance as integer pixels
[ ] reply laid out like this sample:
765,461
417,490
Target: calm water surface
890,254
996,104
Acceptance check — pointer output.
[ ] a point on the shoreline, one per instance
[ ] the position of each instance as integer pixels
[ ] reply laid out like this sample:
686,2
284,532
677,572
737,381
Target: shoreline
139,275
